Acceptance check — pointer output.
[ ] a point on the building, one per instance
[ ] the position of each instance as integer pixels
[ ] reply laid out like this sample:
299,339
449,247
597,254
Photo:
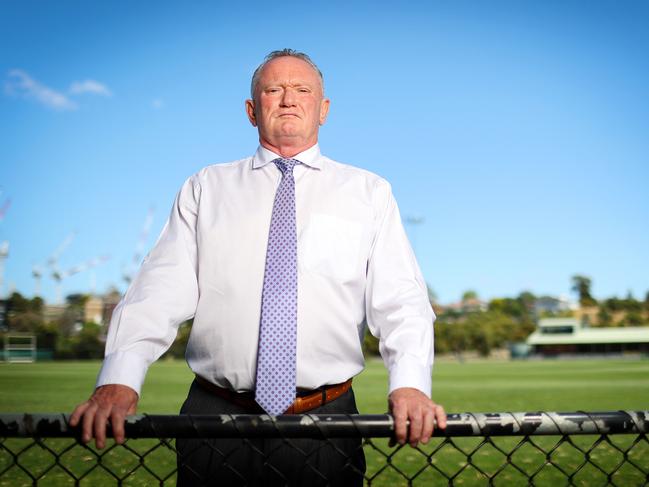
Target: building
549,305
559,336
53,312
469,305
93,310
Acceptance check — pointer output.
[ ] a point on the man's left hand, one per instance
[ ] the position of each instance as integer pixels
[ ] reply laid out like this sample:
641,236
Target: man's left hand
411,404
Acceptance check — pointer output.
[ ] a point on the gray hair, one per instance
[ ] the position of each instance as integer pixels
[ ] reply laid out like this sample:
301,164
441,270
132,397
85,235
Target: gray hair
282,53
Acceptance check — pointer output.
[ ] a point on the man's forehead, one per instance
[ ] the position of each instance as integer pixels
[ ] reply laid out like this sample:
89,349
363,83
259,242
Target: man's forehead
289,68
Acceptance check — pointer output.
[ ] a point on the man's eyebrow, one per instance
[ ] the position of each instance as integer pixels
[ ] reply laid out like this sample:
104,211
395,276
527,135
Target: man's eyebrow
290,83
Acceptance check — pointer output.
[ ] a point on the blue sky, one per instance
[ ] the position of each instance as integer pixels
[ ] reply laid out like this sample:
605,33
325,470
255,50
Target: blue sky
516,130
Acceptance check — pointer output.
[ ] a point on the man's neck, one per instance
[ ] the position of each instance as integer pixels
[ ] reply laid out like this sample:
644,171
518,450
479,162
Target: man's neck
287,150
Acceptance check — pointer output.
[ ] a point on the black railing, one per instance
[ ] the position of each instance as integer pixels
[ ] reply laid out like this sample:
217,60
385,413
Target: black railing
575,448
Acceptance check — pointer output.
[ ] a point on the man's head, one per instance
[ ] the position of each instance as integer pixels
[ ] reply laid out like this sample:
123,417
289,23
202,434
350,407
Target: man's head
288,104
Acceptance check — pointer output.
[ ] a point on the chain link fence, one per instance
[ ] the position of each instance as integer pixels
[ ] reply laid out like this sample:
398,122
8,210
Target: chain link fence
544,448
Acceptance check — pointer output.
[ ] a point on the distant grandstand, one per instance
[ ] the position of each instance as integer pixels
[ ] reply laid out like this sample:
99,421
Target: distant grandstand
567,336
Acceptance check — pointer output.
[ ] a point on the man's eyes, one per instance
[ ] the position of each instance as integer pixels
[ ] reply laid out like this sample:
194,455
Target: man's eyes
278,90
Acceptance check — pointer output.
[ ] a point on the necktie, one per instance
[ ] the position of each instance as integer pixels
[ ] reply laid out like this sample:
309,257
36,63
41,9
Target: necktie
275,388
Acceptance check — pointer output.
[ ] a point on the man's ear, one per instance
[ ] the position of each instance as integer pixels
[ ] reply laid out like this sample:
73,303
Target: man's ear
250,111
324,110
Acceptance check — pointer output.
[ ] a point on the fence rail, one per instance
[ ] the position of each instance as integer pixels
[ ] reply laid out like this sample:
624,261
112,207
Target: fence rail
526,448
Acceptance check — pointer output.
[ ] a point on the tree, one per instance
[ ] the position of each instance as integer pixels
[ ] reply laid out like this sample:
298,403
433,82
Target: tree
614,304
604,318
469,295
631,304
371,343
527,300
480,331
521,308
507,306
47,336
22,314
633,318
581,286
73,317
87,344
432,295
178,347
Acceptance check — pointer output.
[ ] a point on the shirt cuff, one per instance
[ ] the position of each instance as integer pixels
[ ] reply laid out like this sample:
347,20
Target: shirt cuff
409,372
126,368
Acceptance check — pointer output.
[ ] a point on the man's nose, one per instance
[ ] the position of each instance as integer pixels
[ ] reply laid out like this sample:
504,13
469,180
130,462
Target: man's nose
288,97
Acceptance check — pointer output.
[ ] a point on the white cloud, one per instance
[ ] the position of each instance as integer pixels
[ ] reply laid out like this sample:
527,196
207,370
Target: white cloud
89,86
158,103
20,83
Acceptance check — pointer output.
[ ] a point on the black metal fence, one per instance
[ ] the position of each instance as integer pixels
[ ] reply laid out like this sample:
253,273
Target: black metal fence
544,448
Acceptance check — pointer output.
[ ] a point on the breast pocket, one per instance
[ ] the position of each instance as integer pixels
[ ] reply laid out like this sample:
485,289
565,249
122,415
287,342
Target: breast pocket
331,246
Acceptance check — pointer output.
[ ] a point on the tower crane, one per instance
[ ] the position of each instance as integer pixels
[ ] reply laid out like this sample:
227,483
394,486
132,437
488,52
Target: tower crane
52,262
59,276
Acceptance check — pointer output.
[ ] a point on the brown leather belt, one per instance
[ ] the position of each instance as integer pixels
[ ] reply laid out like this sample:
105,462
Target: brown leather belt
302,403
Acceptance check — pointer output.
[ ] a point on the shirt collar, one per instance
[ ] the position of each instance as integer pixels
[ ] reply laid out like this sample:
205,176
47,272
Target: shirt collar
310,157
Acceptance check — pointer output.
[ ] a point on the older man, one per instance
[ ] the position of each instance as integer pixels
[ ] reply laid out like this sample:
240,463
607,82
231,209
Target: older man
279,257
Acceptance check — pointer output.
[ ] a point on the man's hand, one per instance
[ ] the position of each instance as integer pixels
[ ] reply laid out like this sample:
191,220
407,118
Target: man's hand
407,403
112,401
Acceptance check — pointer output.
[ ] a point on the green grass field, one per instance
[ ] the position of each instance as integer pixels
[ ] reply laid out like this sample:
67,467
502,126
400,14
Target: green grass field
592,385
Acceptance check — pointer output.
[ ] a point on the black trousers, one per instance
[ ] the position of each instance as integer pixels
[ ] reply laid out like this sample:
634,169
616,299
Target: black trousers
267,461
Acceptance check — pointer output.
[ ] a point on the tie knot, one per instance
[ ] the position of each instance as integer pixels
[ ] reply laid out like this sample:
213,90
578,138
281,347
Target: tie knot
286,165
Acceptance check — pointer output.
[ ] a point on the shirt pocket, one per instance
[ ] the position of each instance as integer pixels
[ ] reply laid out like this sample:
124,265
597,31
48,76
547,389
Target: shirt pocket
330,246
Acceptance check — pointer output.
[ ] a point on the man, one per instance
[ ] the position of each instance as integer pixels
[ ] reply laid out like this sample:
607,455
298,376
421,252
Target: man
304,245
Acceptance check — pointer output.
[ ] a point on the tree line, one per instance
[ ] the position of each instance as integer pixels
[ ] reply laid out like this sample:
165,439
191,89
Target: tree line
473,325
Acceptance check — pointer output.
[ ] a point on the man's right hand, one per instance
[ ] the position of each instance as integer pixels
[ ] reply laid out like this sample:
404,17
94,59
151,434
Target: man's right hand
110,402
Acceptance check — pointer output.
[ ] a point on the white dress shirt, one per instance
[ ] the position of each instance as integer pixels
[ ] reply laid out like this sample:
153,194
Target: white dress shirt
354,261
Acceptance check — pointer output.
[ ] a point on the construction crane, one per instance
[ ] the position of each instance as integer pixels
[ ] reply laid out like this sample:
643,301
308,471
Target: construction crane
37,274
129,271
59,276
52,262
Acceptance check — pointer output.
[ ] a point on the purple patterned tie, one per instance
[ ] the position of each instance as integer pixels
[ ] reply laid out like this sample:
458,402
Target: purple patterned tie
275,389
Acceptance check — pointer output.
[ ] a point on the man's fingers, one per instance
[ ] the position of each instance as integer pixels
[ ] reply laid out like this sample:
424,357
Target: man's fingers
440,415
88,422
400,425
100,427
77,413
111,401
416,425
410,403
428,426
117,422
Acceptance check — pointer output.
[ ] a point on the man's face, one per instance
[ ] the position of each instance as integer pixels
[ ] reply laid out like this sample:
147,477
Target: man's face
288,106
